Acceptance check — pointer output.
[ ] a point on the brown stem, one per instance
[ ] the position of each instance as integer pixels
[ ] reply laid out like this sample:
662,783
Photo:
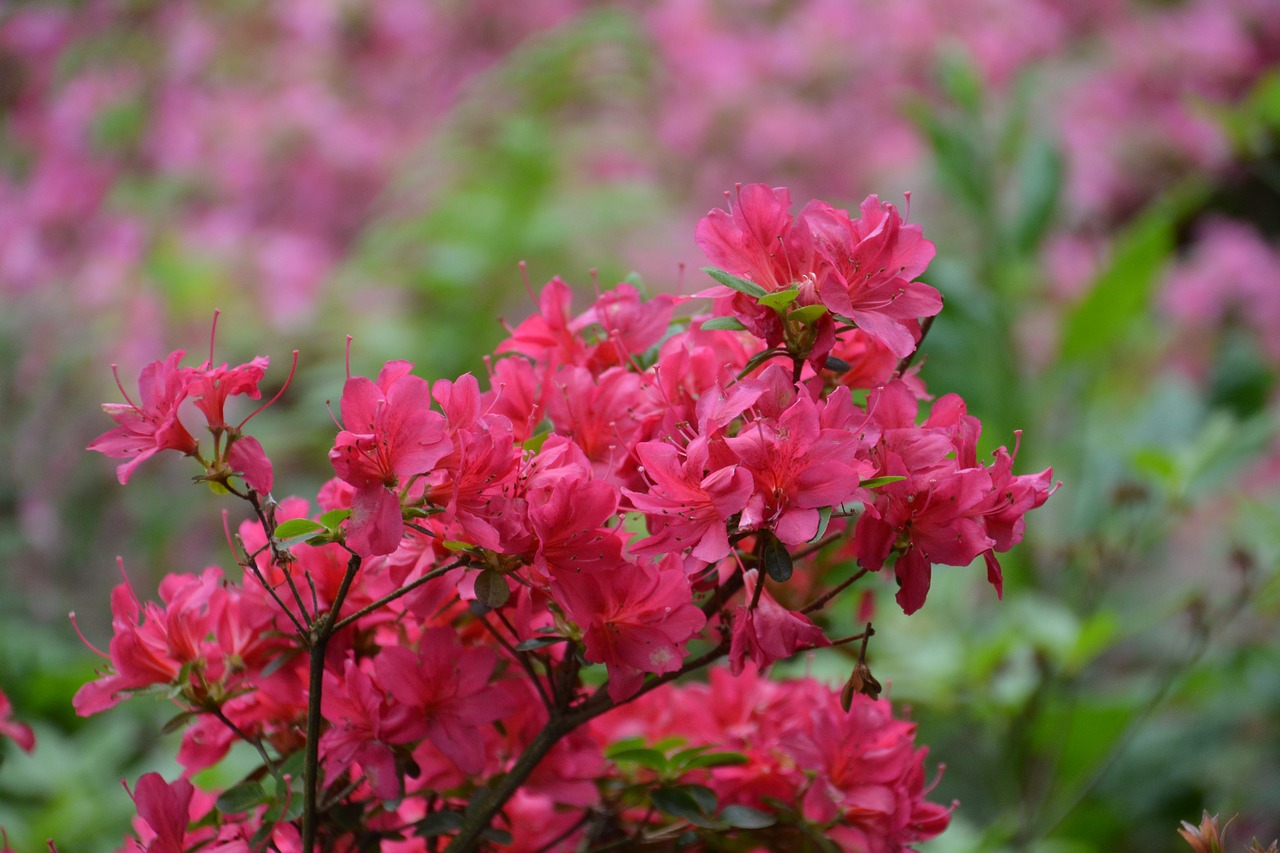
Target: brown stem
322,628
402,591
478,816
522,659
821,601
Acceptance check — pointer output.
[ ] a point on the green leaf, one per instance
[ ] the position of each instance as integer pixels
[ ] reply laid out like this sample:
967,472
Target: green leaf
680,802
623,745
745,817
331,519
960,157
704,797
807,314
240,798
1122,291
780,299
178,722
497,836
534,643
296,531
669,743
777,560
760,358
880,481
961,81
737,283
717,759
1039,185
534,442
273,666
723,324
438,823
492,589
680,759
650,758
824,519
293,765
297,527
837,365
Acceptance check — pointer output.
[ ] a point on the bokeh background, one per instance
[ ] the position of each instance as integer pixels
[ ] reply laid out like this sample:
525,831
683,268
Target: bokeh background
1101,178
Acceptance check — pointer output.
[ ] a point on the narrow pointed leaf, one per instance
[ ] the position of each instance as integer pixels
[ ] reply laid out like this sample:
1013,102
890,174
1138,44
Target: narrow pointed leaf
780,299
723,324
880,481
739,284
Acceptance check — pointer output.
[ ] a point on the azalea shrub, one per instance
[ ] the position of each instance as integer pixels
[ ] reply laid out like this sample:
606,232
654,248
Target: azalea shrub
490,627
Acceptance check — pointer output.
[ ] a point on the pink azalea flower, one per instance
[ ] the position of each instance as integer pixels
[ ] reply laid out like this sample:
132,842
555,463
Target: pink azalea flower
768,632
567,515
152,425
447,689
546,336
635,618
362,727
152,643
599,413
624,324
937,515
870,777
390,435
758,240
164,807
797,467
872,262
690,501
210,387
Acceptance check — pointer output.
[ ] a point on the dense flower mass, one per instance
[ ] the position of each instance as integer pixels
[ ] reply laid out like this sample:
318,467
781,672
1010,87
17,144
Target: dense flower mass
491,569
856,774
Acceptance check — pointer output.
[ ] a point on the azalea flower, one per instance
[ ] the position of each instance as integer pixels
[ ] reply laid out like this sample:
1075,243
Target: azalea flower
390,435
152,425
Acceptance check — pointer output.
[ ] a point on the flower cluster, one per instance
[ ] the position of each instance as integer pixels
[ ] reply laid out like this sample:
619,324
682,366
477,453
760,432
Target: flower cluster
153,424
492,568
853,772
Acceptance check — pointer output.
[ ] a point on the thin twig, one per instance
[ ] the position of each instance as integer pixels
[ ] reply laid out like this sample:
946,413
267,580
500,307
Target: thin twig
521,659
399,593
821,601
911,356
